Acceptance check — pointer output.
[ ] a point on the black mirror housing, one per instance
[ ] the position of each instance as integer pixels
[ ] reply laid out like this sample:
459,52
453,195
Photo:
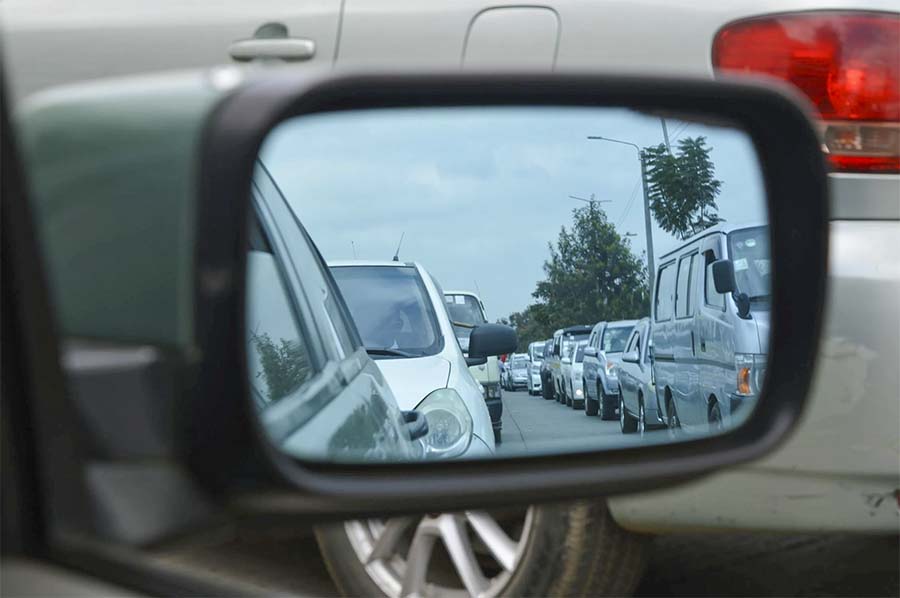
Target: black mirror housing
488,340
723,276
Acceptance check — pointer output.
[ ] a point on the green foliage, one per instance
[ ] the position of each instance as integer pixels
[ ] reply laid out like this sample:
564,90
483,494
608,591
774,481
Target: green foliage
682,187
592,275
285,366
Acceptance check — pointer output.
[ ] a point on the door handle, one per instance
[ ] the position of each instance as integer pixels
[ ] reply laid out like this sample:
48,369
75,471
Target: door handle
292,49
703,344
693,346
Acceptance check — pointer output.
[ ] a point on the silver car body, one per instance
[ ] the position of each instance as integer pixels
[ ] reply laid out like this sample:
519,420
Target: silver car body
415,378
697,333
842,458
536,355
488,374
636,384
599,365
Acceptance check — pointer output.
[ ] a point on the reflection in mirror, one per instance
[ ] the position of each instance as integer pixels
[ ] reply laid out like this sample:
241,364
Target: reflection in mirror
454,283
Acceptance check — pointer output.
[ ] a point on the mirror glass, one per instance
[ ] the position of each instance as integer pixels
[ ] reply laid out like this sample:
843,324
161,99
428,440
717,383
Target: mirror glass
463,282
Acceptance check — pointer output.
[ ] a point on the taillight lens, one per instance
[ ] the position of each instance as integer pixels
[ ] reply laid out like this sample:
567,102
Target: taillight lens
846,63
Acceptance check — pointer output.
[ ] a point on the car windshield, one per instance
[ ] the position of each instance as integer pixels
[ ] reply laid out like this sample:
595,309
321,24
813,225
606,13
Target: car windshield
614,339
537,353
464,309
520,362
391,309
752,263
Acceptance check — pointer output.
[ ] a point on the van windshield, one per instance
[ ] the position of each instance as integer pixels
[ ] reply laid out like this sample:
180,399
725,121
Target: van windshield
749,249
614,339
464,309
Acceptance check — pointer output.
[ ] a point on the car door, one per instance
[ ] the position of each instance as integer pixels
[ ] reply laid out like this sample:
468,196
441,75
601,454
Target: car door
318,391
629,374
53,42
687,373
715,331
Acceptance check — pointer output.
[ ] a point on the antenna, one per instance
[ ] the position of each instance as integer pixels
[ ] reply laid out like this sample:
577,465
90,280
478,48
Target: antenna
353,245
397,253
477,290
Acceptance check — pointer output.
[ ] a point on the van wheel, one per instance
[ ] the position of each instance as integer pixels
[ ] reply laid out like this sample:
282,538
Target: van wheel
569,549
627,422
672,422
715,417
642,416
497,436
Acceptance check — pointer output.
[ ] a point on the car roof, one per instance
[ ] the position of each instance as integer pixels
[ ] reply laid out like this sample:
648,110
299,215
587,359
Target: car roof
723,228
469,293
578,328
344,263
621,323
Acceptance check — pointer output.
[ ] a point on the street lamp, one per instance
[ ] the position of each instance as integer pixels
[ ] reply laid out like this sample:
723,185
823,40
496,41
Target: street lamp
590,201
630,234
647,222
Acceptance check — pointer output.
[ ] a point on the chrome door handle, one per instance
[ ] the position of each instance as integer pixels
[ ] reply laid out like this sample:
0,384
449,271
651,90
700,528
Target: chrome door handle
292,49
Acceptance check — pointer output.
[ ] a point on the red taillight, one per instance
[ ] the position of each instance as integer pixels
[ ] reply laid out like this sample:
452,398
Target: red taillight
846,63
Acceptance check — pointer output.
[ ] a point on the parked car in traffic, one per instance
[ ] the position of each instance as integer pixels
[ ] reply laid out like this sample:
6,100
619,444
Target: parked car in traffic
638,406
536,356
711,325
517,371
575,377
399,312
603,353
467,310
546,377
563,339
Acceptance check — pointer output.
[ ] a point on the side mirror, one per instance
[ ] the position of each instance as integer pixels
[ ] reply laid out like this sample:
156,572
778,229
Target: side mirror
743,304
590,352
488,340
630,357
566,360
723,276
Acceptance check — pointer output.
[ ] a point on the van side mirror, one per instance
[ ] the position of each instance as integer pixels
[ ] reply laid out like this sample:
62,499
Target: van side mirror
723,276
488,340
630,357
590,351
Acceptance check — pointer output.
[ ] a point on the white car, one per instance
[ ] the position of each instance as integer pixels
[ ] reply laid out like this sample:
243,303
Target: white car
536,355
399,311
571,367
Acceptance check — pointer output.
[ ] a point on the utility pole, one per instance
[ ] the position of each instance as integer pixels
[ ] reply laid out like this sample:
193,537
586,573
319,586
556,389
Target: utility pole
647,220
665,134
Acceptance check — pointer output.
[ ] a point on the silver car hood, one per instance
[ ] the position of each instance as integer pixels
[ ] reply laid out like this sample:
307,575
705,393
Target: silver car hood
413,379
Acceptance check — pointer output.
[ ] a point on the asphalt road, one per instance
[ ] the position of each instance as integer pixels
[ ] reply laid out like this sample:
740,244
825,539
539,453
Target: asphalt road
534,425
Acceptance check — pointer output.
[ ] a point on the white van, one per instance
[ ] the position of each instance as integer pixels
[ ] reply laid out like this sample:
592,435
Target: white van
711,325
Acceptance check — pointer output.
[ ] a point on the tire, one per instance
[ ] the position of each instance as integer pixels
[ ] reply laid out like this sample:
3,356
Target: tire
627,422
605,414
569,400
591,407
547,390
673,424
498,436
571,549
715,418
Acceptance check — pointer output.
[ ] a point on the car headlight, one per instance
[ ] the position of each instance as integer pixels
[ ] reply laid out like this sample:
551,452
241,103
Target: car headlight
750,369
611,370
579,393
449,424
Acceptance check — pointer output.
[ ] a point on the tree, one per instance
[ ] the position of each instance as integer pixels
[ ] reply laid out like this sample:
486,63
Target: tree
285,366
592,275
682,187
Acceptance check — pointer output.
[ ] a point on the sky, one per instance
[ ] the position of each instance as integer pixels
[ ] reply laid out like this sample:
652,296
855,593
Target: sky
479,192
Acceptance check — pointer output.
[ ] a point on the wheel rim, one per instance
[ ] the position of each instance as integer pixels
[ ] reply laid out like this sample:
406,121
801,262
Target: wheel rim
622,411
480,553
642,423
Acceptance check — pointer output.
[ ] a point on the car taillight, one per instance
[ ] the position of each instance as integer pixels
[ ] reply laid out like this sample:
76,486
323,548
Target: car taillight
846,63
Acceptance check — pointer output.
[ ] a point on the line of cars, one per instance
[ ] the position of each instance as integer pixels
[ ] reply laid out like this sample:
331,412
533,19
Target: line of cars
698,359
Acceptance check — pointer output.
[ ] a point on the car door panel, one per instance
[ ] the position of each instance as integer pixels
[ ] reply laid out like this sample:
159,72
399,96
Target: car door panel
51,42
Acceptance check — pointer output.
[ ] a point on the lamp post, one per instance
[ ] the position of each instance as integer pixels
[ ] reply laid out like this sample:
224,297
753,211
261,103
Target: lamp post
590,201
647,221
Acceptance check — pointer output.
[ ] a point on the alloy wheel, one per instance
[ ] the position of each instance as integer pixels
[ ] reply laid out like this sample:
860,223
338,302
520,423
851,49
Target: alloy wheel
477,553
642,420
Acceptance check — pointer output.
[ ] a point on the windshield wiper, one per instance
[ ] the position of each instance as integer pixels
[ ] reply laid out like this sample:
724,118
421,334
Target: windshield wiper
388,352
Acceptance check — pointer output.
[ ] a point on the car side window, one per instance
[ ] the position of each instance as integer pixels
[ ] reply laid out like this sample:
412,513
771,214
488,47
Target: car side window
279,356
320,291
665,293
713,298
683,308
